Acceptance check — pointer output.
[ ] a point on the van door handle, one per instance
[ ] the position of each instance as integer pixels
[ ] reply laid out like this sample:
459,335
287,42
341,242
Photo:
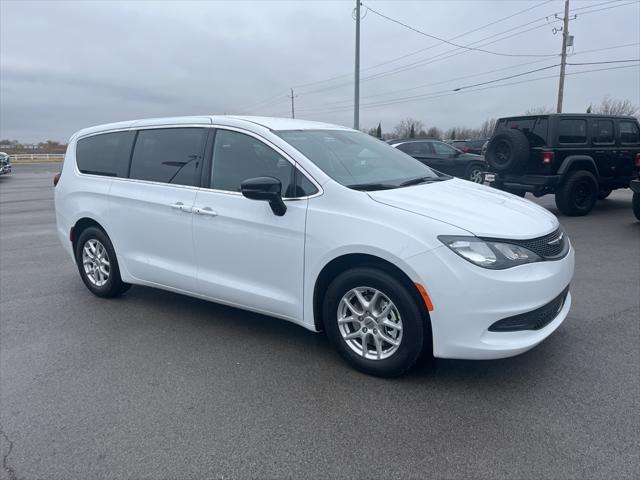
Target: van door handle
181,206
205,211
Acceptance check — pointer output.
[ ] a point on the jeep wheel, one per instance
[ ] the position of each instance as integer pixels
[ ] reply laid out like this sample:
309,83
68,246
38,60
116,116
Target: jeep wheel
578,195
508,151
636,204
604,193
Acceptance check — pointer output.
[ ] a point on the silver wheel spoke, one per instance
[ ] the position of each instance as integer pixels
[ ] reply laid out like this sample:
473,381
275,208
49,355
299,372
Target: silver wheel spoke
389,339
389,324
378,343
351,308
363,301
346,320
353,336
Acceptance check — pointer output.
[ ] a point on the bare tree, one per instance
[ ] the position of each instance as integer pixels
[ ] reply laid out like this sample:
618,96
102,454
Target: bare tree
542,110
487,127
434,132
614,106
404,128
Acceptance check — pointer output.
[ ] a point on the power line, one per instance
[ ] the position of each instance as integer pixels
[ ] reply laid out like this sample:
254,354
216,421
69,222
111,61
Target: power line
448,93
395,59
442,40
486,72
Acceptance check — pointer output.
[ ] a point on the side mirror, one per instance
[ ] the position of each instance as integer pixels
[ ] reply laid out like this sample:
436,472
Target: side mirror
266,189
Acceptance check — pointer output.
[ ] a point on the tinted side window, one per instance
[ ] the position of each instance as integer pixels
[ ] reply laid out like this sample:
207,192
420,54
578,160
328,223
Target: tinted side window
410,148
572,131
303,186
238,157
168,155
602,131
104,154
629,132
442,148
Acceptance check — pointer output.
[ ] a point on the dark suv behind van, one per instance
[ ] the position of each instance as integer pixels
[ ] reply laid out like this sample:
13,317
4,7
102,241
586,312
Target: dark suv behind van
577,157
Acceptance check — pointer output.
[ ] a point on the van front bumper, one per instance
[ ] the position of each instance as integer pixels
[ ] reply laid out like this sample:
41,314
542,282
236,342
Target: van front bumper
468,300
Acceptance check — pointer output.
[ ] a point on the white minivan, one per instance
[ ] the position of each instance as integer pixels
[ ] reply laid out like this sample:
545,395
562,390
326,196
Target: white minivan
317,224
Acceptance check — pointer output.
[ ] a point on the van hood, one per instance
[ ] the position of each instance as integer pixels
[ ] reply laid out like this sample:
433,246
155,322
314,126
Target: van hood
482,211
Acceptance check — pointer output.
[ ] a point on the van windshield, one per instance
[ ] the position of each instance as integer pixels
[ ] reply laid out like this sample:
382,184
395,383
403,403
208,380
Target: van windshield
358,160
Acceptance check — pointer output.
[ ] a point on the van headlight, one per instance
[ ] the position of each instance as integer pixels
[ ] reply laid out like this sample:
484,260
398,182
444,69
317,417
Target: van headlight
489,253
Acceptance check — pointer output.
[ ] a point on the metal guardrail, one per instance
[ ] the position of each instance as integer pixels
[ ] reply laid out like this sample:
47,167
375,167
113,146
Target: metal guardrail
37,157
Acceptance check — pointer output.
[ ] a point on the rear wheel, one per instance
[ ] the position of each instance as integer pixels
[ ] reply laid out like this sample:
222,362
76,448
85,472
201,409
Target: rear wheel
578,194
373,321
636,204
98,265
475,173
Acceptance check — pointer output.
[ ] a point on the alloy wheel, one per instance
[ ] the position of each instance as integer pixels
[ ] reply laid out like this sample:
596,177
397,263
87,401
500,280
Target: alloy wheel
95,261
370,323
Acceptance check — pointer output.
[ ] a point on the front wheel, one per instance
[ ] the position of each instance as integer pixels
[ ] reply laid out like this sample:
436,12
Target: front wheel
578,195
636,204
98,265
373,321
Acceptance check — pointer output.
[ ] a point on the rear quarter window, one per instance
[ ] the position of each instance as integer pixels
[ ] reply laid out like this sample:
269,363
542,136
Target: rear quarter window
572,131
104,154
629,133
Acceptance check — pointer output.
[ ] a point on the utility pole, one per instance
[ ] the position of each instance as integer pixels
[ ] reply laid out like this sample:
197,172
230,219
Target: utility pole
293,112
563,60
356,89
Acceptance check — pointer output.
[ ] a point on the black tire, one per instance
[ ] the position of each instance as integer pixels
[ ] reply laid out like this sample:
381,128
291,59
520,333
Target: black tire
578,195
114,286
635,202
508,151
413,323
474,173
604,193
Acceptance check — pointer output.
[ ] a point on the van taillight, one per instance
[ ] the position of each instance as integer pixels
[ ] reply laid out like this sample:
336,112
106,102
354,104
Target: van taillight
638,160
547,157
56,178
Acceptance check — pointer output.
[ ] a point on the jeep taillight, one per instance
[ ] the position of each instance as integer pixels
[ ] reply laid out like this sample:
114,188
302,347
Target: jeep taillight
547,157
637,160
56,178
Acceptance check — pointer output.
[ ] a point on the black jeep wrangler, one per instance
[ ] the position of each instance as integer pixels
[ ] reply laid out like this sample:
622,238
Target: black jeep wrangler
578,157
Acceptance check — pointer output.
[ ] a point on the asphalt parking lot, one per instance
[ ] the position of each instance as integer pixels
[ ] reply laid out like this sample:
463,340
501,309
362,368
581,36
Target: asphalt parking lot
158,385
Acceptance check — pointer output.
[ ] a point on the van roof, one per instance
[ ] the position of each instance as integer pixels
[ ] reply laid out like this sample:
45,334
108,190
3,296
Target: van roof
271,123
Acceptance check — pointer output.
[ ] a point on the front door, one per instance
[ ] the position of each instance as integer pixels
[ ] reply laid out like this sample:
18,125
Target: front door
248,256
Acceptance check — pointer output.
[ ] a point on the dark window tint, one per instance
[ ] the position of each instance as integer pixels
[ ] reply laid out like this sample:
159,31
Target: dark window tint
441,148
105,154
303,186
572,131
534,128
238,157
603,131
412,148
629,132
168,155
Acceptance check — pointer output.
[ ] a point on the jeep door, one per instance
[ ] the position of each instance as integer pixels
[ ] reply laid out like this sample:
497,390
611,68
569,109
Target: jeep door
603,141
629,146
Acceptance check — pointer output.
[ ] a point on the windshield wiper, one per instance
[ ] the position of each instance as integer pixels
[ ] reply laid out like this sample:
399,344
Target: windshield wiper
419,180
372,186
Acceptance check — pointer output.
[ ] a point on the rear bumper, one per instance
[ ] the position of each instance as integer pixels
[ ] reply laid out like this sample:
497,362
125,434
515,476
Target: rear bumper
526,182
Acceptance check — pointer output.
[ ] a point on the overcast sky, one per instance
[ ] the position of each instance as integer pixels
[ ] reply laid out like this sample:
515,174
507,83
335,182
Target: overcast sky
68,65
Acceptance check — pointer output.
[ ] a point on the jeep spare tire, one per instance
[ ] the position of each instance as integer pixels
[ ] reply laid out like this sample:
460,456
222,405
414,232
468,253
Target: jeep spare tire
508,151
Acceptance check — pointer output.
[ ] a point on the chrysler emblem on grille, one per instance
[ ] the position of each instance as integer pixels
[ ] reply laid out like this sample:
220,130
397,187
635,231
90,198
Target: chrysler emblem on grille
556,241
